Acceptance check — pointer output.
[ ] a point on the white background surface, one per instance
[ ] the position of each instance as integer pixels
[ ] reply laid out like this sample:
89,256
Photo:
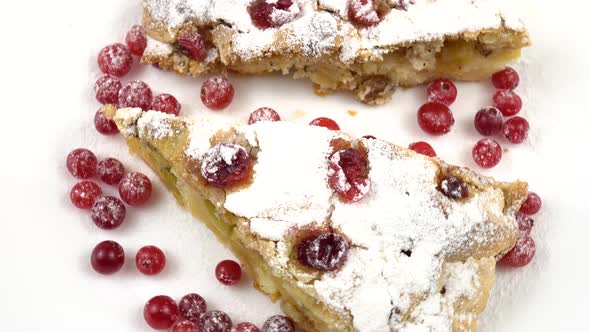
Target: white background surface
49,67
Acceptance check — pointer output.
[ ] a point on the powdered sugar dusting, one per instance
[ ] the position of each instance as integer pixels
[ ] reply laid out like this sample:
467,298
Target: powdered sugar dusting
155,124
157,48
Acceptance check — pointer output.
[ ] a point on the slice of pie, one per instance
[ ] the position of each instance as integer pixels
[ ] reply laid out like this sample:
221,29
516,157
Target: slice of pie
368,47
350,234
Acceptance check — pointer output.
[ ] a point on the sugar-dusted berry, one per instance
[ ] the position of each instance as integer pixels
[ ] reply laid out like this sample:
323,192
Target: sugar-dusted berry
135,188
217,92
363,12
487,153
532,205
166,103
278,323
216,321
423,148
442,91
226,165
193,45
516,129
453,187
325,122
505,79
508,102
107,89
264,114
150,260
435,118
522,253
115,59
324,252
84,194
81,163
136,94
110,171
192,307
108,212
348,174
104,125
228,272
488,121
136,40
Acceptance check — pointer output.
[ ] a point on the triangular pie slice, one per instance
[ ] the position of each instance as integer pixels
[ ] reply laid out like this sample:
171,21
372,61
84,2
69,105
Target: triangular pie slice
350,234
367,47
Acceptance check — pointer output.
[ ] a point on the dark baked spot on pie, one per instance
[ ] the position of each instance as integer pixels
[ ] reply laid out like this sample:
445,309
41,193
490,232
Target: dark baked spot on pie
453,187
407,252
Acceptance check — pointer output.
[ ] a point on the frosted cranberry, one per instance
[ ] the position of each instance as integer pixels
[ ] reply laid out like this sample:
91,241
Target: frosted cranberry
192,307
278,323
185,326
325,122
452,187
348,174
103,125
217,92
435,118
216,321
487,153
369,137
226,165
81,163
107,257
261,12
522,253
264,114
532,204
136,94
508,102
488,121
136,40
442,91
516,129
363,12
160,312
108,212
505,79
246,327
107,89
110,171
423,148
150,260
228,272
525,223
135,189
84,193
115,59
325,252
192,44
166,103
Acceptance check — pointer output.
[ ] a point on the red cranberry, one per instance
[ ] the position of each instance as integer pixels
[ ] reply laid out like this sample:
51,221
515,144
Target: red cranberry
423,148
107,257
363,12
516,129
264,114
150,260
508,102
525,223
369,137
108,212
110,171
532,205
103,125
136,40
160,312
261,12
452,187
185,326
442,91
81,163
487,153
115,59
488,121
278,323
136,94
324,252
166,103
217,92
193,45
135,189
435,118
107,89
226,165
216,321
522,253
348,174
192,307
84,193
246,327
505,79
228,272
325,122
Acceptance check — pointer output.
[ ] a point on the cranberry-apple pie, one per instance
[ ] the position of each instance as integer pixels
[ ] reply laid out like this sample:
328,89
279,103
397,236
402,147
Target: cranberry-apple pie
349,234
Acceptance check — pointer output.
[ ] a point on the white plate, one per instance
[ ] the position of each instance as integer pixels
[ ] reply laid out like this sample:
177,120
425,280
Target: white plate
49,68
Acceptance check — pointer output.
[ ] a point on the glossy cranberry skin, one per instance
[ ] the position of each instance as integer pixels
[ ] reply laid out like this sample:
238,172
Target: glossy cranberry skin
363,12
150,260
216,170
192,307
136,94
192,44
442,91
246,327
488,121
110,171
216,321
264,114
278,323
115,59
217,93
107,89
136,40
487,153
81,163
108,212
135,189
324,252
228,272
160,312
423,148
516,129
532,205
104,125
522,253
505,79
107,257
166,103
185,326
508,102
84,194
325,122
435,118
